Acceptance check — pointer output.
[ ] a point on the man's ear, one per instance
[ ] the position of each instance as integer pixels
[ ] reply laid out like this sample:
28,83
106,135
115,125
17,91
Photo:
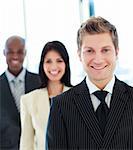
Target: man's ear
25,52
4,52
79,54
117,51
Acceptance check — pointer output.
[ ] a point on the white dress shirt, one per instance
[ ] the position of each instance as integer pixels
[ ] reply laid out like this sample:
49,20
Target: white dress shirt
92,88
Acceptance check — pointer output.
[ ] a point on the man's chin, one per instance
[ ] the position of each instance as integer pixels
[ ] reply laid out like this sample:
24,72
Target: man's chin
99,79
15,70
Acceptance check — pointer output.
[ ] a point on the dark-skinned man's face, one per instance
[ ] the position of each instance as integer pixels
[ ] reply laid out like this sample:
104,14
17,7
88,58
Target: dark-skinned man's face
15,54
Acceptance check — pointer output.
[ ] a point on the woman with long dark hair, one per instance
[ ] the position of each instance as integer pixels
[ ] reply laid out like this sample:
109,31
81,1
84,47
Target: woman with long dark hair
54,71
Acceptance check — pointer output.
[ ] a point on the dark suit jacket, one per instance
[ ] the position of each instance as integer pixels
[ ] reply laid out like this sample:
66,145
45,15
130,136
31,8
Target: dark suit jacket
73,123
9,115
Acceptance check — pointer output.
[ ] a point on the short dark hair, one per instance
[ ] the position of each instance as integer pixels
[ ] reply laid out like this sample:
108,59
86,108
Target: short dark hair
61,49
96,25
14,37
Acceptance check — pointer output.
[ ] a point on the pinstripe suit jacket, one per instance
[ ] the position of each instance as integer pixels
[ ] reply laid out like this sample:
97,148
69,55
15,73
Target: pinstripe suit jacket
9,115
73,123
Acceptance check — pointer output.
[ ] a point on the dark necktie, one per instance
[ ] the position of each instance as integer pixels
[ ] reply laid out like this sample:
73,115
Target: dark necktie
102,110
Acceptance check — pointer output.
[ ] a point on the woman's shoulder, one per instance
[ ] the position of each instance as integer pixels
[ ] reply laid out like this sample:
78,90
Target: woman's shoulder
37,99
35,93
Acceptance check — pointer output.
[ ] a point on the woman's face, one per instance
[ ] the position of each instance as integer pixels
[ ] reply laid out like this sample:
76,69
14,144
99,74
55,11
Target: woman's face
54,66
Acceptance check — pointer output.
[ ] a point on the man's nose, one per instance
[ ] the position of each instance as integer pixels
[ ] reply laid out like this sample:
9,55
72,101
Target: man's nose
98,58
15,55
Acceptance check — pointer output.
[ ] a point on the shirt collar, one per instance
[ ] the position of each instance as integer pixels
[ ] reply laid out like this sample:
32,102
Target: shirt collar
92,87
20,77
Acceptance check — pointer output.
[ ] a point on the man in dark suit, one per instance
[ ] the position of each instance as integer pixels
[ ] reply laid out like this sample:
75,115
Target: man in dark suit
9,105
96,114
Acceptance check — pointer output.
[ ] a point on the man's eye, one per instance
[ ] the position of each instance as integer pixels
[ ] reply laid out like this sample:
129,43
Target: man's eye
105,50
20,53
89,51
10,53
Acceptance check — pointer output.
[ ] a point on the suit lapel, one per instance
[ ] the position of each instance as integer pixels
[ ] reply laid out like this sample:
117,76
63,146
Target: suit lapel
84,105
28,82
118,103
9,102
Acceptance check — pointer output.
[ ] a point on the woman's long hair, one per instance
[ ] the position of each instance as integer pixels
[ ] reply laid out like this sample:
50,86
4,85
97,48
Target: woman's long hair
61,49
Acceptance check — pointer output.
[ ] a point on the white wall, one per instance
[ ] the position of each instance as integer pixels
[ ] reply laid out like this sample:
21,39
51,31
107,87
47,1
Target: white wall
120,14
11,22
41,21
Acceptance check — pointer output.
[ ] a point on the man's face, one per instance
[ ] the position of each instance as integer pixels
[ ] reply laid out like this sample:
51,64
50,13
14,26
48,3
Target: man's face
15,54
98,56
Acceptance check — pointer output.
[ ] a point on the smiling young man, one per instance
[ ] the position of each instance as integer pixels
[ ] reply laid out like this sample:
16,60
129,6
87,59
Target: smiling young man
98,112
9,101
98,56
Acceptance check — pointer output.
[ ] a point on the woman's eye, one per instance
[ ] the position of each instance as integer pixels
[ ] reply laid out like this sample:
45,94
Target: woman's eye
48,61
59,60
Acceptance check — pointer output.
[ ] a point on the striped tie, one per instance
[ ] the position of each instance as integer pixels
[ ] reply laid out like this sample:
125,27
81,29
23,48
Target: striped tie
18,91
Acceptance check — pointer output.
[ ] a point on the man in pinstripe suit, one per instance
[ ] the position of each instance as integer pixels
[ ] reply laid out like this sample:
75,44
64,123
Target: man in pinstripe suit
73,123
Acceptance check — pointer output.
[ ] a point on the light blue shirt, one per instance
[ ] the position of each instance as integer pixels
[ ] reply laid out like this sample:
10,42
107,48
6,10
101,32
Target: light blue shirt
92,88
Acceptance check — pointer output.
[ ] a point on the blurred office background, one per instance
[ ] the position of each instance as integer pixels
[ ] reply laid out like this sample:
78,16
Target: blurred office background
40,21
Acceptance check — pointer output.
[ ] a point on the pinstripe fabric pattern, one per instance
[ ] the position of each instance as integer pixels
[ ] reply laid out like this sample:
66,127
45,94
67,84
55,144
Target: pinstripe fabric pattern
73,124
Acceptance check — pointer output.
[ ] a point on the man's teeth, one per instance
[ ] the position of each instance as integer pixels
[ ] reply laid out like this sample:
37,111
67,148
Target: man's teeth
98,68
15,61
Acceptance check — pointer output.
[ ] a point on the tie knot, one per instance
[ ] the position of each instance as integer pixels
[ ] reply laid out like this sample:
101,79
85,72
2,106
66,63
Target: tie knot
101,95
16,80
